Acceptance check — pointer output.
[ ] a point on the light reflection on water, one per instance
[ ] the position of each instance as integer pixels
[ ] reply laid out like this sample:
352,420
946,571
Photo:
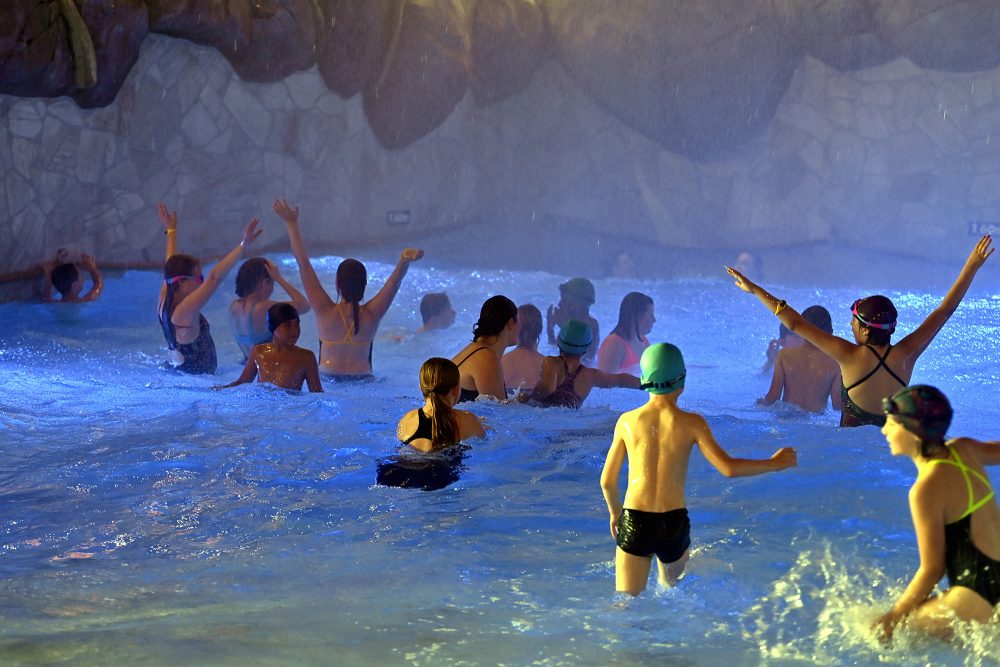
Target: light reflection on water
149,520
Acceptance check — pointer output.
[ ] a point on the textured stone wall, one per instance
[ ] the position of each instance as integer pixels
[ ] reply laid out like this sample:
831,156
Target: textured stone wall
849,158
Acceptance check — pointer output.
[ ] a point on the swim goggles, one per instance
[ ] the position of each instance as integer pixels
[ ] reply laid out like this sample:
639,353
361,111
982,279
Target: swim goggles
176,279
669,384
890,326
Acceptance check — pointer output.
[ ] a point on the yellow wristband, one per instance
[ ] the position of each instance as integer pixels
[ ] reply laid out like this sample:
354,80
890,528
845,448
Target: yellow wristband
780,306
169,231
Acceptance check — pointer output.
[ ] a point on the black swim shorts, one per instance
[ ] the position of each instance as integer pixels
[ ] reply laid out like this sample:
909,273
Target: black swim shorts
666,534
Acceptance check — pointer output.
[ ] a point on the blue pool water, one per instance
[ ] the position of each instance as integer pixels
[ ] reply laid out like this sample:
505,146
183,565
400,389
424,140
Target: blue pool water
148,520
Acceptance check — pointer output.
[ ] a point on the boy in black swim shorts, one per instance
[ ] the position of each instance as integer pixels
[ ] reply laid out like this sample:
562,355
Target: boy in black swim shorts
658,438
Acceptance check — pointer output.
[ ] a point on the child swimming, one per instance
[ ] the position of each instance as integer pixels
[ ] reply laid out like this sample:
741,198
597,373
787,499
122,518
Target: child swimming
281,362
657,440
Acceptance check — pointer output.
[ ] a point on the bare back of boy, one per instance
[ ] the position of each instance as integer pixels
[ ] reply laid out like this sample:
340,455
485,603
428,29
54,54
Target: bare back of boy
811,379
285,366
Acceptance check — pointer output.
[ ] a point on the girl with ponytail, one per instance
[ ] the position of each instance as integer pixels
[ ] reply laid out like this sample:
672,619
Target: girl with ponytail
438,424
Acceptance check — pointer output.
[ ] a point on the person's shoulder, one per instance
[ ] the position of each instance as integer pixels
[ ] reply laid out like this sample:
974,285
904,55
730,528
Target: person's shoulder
407,425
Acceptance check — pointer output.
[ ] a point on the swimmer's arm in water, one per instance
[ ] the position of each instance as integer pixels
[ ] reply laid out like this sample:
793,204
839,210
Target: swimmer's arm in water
610,380
299,302
379,304
611,472
97,286
917,341
248,374
318,298
834,347
186,312
777,383
733,467
312,373
928,522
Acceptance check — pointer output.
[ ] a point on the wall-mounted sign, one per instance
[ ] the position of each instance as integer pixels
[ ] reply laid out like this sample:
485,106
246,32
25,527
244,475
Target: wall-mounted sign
398,217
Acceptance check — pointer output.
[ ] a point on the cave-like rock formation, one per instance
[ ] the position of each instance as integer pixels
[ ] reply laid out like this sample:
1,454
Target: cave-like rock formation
698,77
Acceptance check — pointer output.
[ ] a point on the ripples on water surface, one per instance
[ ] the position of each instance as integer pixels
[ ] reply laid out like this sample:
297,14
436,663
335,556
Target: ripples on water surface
149,520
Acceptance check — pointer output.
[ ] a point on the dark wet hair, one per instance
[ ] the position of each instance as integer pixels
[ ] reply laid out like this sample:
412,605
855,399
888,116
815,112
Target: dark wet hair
438,378
531,325
252,272
433,303
631,309
279,313
496,312
63,277
352,278
819,317
924,411
176,265
876,314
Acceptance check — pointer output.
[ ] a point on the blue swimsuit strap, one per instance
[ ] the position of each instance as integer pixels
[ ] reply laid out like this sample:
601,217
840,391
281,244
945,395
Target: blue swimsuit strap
955,460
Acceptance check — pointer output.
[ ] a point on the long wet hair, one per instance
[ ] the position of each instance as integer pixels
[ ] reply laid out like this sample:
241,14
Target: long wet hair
531,325
496,312
252,272
352,278
438,378
176,265
634,305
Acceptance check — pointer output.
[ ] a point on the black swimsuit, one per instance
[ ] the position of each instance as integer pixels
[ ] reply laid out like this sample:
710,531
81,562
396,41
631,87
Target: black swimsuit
565,395
472,394
424,428
851,414
199,354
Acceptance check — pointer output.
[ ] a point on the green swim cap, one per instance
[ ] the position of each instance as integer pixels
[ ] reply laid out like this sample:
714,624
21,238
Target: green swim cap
575,337
662,369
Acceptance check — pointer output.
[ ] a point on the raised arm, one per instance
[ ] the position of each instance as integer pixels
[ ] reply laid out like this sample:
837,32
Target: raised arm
299,302
917,341
834,347
777,383
733,467
610,474
928,522
186,312
379,304
88,263
168,219
318,298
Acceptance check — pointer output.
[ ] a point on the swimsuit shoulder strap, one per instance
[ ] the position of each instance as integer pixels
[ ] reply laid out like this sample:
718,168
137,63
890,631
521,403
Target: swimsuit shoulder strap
880,364
955,460
470,354
348,330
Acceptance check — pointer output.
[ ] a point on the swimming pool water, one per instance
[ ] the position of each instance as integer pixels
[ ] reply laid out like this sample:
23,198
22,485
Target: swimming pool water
148,520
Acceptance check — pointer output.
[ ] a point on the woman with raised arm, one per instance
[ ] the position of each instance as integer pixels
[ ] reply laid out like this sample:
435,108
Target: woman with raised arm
955,516
248,312
872,368
185,291
346,328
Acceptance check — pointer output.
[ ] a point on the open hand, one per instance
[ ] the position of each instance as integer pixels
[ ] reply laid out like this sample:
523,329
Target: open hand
285,212
88,262
167,217
980,253
411,254
884,627
250,233
741,281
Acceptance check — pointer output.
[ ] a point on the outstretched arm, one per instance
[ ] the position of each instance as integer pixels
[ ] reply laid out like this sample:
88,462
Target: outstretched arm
610,380
169,220
834,347
733,467
379,304
88,263
610,474
187,310
921,337
318,298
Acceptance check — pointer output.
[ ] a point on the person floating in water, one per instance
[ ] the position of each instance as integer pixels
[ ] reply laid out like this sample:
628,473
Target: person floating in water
522,366
955,516
576,296
438,424
873,322
346,329
185,292
281,362
621,350
248,312
479,361
65,275
803,375
657,439
565,381
436,312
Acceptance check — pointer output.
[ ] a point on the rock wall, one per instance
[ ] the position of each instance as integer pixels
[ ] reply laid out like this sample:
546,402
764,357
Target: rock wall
850,158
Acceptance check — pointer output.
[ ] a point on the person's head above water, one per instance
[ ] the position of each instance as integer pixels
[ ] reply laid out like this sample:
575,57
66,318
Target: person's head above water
575,338
876,315
579,290
819,317
64,276
439,381
633,308
352,278
251,274
436,311
496,313
922,410
662,368
530,319
280,313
